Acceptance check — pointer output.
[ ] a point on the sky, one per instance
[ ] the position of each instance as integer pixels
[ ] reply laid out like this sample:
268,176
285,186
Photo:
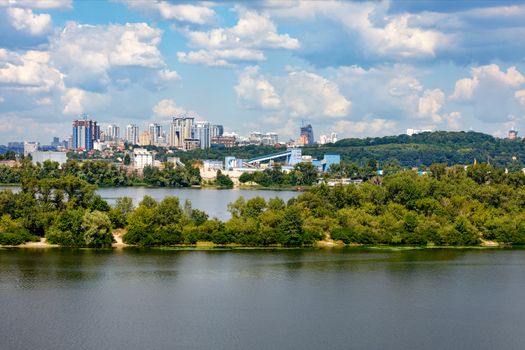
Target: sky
356,68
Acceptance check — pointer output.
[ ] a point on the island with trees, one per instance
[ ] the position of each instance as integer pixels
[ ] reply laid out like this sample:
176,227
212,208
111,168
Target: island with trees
449,206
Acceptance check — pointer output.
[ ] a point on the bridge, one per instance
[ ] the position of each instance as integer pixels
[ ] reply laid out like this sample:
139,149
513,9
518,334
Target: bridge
293,156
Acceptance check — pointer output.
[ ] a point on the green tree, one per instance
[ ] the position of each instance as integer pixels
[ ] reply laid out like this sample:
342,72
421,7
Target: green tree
223,181
97,229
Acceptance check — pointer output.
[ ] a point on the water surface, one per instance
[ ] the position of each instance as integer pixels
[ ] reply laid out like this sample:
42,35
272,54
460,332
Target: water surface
212,201
262,299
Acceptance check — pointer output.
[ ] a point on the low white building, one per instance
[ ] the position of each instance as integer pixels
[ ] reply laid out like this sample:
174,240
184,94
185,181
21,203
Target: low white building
41,157
141,158
30,147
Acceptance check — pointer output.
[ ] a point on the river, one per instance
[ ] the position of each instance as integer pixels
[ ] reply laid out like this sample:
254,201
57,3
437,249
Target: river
262,299
212,201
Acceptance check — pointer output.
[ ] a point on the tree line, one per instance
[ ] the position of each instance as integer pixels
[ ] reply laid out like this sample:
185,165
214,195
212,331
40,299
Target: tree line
450,206
103,174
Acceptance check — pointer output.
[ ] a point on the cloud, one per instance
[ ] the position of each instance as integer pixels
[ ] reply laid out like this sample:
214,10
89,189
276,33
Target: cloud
168,108
520,96
30,72
45,101
25,20
374,127
367,33
362,31
196,14
493,93
245,41
217,58
465,88
394,92
310,95
87,53
38,4
255,91
168,75
431,104
77,101
300,93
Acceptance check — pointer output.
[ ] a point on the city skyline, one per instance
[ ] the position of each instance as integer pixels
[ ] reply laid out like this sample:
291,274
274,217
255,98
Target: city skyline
355,68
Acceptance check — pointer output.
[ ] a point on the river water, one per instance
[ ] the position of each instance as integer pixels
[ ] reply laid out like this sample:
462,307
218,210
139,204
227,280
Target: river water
262,299
212,201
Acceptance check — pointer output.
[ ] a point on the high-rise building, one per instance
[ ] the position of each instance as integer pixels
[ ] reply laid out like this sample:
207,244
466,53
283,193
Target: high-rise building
181,128
512,134
145,138
113,132
132,134
155,132
56,142
85,133
201,132
306,138
216,130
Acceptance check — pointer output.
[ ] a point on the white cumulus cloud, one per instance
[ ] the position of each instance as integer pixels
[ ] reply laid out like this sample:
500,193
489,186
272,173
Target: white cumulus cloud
300,93
167,75
29,72
25,20
245,41
38,4
167,108
197,13
86,53
255,91
310,95
493,93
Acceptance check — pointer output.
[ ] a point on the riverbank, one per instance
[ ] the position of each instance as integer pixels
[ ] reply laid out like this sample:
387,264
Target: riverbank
204,245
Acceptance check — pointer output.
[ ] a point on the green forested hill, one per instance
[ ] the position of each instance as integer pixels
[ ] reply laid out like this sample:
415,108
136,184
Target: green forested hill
407,151
428,148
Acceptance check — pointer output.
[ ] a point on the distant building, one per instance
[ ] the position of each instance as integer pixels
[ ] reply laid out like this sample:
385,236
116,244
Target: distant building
17,147
411,131
201,132
324,139
144,138
270,139
113,132
224,141
132,134
512,134
142,158
155,133
258,138
216,130
41,157
181,129
85,133
306,137
191,144
212,164
56,142
30,147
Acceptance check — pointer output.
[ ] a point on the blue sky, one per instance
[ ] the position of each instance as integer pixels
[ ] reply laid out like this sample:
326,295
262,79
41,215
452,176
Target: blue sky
357,68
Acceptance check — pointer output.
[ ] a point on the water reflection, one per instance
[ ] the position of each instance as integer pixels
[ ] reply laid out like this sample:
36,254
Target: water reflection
260,299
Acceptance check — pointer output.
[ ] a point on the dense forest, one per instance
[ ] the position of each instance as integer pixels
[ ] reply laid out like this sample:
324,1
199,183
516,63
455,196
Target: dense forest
450,206
428,148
